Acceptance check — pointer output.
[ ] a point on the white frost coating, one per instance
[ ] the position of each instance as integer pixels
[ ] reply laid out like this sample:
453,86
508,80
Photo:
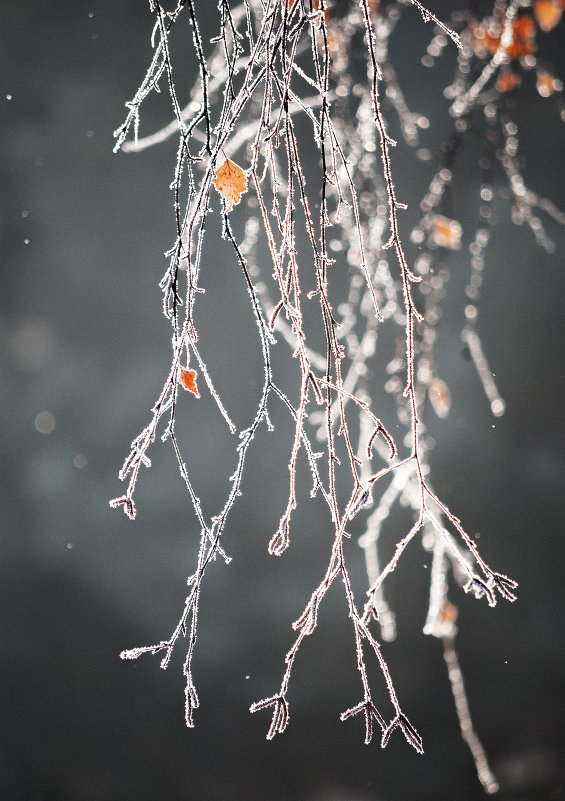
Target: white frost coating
273,64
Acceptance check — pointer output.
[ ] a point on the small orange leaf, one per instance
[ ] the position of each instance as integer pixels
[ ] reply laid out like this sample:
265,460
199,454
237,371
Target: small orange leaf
448,614
548,13
231,182
443,625
523,35
440,397
523,28
486,37
187,380
507,80
547,84
446,233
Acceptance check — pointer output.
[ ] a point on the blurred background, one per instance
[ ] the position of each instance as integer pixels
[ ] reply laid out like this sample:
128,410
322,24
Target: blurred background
85,350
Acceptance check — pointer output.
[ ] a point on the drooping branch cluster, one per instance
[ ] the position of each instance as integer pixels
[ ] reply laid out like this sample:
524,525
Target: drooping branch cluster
272,63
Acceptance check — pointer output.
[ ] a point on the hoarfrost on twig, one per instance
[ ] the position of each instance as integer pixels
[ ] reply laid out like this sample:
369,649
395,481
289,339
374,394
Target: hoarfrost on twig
271,64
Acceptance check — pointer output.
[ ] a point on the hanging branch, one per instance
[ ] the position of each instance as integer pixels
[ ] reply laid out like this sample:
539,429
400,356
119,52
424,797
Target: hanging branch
272,63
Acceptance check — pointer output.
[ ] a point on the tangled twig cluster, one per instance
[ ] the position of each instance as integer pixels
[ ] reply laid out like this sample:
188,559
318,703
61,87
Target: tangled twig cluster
272,62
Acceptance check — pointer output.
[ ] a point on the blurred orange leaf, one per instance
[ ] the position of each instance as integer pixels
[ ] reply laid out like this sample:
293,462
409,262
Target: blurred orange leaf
231,182
548,84
548,13
523,35
507,80
446,233
487,35
448,614
440,397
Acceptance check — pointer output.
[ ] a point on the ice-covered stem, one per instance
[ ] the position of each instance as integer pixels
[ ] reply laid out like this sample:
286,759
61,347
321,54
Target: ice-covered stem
306,624
484,773
257,97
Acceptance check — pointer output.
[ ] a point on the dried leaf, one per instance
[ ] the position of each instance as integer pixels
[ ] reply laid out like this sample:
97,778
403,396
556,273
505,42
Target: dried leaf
484,38
231,182
487,35
187,380
443,624
440,397
448,614
523,34
507,80
446,233
547,13
548,84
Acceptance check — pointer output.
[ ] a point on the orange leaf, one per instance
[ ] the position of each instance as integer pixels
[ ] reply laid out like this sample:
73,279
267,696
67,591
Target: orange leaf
523,28
448,614
231,182
548,13
523,34
547,84
486,38
446,233
507,80
440,397
487,35
187,380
